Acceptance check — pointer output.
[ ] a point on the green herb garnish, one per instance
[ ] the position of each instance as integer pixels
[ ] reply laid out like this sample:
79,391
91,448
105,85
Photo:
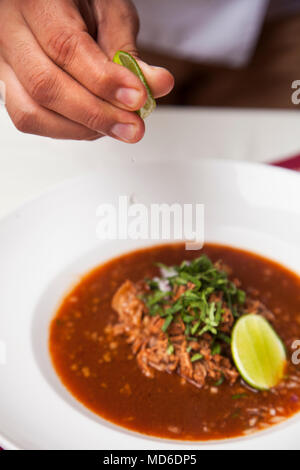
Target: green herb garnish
220,381
238,396
216,349
199,312
196,357
225,338
170,349
167,323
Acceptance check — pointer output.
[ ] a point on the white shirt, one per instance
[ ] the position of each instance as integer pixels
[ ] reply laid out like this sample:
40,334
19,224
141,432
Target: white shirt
208,31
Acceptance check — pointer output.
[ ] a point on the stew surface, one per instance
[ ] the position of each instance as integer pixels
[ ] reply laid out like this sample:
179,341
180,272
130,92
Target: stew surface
103,374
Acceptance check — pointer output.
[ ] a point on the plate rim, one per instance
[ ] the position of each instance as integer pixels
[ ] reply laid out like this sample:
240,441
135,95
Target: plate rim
8,443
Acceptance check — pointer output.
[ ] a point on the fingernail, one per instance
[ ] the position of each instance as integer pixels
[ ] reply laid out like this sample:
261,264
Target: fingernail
149,68
128,96
124,131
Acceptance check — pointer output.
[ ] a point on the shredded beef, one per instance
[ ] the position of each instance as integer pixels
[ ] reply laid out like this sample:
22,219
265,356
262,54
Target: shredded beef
150,344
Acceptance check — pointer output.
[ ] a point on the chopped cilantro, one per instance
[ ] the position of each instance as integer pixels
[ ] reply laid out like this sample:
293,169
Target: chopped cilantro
200,306
196,357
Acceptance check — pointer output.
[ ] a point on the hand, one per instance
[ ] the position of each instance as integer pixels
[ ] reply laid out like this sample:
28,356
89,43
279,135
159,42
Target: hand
56,62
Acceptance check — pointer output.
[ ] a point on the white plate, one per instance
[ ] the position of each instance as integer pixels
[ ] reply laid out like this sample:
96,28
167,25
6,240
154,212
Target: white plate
48,244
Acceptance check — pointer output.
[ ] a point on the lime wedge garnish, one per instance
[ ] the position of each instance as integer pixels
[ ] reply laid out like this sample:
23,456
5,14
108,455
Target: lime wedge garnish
125,59
258,352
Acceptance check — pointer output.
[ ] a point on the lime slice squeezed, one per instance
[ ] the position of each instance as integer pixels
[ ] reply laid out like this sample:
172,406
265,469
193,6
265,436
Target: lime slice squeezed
258,352
128,61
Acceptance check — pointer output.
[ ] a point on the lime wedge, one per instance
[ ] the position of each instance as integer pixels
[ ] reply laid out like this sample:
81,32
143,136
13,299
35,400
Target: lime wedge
258,352
125,59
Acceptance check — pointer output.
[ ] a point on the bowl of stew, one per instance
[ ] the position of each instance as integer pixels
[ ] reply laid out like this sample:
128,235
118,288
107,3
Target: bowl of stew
126,343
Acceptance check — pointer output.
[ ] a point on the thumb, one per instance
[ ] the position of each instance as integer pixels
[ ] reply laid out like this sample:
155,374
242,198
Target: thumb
118,27
159,79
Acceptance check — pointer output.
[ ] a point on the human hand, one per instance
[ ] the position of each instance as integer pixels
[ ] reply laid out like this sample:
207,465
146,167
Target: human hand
56,63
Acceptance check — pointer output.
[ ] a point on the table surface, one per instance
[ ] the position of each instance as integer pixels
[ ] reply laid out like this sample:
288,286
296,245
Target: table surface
30,164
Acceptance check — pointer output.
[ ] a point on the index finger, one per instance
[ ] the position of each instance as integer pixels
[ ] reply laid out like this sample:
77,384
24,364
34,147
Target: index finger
66,41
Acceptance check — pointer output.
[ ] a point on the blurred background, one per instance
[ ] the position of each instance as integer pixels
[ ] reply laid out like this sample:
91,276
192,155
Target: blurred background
232,53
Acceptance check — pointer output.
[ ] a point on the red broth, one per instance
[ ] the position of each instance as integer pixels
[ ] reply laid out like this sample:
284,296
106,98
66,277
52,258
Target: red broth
107,380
